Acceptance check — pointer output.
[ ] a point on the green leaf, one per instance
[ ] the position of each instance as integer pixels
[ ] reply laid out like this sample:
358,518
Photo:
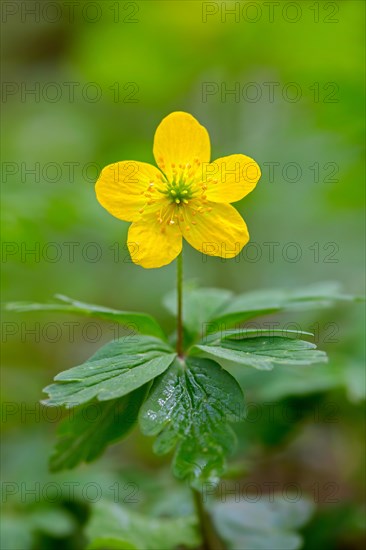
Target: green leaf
108,543
262,353
113,522
87,431
115,370
138,322
271,522
199,306
19,531
263,302
347,373
189,407
241,333
56,521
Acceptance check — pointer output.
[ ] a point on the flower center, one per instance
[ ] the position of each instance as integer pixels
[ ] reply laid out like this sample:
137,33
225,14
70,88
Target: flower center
179,192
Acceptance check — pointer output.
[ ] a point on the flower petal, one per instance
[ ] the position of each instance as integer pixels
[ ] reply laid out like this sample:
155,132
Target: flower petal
229,179
181,144
221,231
154,244
121,188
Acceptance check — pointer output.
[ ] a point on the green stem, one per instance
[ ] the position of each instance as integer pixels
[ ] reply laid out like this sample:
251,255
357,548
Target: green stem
180,304
211,540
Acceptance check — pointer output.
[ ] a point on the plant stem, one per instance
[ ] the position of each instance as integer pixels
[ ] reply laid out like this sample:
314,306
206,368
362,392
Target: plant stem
211,540
180,304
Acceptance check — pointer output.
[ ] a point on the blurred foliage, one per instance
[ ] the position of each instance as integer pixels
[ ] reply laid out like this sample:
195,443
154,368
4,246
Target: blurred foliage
169,55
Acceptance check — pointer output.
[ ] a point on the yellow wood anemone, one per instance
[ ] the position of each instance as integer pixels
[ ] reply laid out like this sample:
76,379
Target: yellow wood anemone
187,196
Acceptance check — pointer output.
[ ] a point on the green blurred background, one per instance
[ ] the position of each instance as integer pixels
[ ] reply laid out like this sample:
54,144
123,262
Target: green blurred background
103,75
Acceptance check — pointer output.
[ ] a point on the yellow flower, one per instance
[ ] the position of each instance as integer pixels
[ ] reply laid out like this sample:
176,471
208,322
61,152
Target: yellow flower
188,197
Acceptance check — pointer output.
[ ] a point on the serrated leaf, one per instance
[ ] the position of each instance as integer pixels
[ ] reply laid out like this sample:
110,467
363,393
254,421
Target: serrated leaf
190,407
270,522
115,370
199,306
263,302
262,353
114,522
138,322
346,373
84,435
241,333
